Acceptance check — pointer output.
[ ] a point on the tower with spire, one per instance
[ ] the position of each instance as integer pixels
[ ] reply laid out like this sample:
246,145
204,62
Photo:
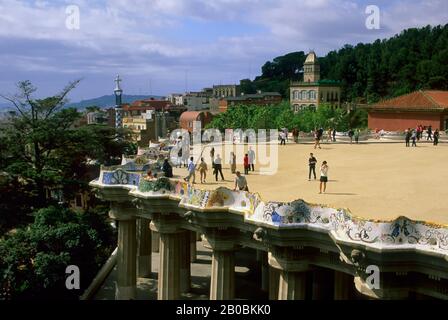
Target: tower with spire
311,68
313,91
118,102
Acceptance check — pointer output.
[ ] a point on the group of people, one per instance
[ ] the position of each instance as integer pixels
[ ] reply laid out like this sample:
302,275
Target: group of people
166,168
240,180
312,161
416,134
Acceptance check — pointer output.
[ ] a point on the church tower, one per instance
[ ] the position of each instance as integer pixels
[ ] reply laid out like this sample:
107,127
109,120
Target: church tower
311,68
118,102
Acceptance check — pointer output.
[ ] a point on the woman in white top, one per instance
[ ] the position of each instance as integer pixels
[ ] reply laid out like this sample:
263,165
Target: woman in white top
323,176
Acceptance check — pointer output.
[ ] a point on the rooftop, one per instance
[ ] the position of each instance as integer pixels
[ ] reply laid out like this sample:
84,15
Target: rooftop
311,57
261,95
417,100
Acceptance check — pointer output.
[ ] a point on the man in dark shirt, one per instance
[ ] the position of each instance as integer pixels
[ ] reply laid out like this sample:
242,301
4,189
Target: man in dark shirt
408,137
312,165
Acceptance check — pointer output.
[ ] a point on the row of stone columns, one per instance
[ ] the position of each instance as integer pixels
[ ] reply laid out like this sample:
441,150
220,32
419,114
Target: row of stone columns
177,249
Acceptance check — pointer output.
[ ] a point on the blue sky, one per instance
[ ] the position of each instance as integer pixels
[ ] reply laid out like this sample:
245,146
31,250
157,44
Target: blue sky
156,44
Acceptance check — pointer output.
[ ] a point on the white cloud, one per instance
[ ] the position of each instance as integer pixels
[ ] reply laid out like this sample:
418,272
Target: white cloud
140,37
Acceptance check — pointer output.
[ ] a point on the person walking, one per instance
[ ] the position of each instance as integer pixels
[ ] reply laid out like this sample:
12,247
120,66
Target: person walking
232,162
329,131
408,137
414,138
357,136
323,177
282,138
202,167
179,158
191,171
246,164
295,134
334,135
312,166
429,132
350,135
218,167
316,139
240,182
167,169
436,137
251,154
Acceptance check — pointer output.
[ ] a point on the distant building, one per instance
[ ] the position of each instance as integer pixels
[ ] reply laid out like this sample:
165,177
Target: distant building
312,91
97,117
149,126
427,107
188,117
226,90
195,101
175,98
260,99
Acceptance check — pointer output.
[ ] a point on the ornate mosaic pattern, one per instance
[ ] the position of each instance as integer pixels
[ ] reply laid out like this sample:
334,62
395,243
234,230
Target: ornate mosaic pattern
398,233
120,176
162,185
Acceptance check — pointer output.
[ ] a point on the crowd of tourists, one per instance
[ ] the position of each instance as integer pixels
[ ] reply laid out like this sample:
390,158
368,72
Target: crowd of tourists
416,135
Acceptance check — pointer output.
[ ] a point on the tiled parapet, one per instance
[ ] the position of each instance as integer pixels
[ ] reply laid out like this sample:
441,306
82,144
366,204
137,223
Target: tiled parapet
401,233
412,255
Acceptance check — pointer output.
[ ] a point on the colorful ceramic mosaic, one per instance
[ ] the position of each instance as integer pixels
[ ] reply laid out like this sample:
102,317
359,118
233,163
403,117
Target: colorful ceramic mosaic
402,232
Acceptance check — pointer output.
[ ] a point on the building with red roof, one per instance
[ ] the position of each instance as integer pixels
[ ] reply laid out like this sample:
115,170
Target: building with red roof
425,107
188,117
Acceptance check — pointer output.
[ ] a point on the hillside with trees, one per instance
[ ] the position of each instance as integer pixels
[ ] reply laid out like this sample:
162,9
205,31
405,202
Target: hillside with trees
415,59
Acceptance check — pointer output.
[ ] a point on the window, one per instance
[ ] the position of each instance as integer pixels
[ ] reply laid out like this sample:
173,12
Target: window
296,95
296,108
312,107
312,95
336,98
304,95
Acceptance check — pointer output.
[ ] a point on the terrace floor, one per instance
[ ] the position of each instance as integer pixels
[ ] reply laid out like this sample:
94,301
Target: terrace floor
373,180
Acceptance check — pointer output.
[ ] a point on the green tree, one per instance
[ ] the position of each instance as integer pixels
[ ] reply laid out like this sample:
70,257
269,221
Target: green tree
33,259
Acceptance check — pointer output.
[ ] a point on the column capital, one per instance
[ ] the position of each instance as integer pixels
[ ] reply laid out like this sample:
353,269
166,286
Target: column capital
221,239
163,225
122,211
288,260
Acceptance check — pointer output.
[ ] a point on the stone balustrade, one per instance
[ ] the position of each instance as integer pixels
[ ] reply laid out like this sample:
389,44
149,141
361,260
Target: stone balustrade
299,244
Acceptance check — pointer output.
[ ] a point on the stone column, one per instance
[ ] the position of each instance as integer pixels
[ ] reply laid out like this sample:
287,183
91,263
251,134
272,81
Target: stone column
343,285
143,248
274,280
292,266
222,282
262,258
222,286
185,262
323,284
126,261
193,247
155,241
169,269
292,285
